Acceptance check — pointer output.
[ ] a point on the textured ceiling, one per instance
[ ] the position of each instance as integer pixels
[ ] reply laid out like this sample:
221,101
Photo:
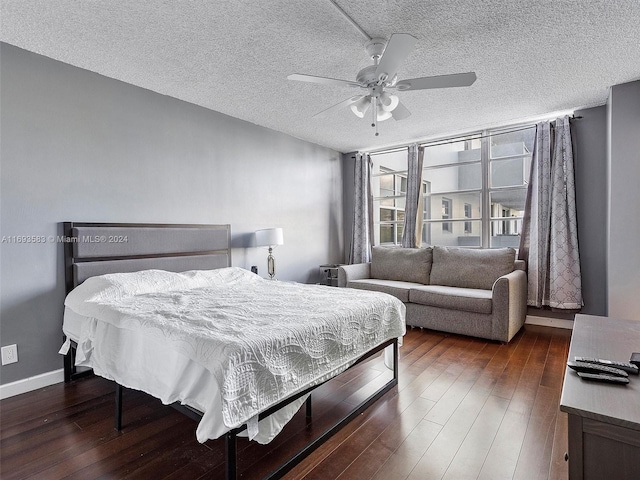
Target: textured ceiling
233,56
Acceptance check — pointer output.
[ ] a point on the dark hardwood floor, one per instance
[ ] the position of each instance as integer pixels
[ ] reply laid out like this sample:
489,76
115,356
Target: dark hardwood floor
464,409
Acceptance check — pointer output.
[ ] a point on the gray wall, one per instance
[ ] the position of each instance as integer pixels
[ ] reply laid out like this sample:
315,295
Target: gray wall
623,259
590,161
77,146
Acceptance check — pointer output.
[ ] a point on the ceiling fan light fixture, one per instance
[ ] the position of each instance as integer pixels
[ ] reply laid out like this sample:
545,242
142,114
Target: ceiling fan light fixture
383,114
361,106
378,114
389,102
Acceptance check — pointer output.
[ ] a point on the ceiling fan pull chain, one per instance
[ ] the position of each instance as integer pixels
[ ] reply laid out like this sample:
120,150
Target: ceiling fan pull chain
374,110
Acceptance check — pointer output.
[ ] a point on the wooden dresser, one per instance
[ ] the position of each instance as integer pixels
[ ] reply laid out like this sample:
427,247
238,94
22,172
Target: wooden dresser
604,419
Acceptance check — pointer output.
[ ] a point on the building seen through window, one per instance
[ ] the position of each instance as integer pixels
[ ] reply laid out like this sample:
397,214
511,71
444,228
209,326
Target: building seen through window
473,190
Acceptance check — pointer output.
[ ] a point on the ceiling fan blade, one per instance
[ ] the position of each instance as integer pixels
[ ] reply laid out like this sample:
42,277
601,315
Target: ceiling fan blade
397,50
338,106
400,112
322,80
440,81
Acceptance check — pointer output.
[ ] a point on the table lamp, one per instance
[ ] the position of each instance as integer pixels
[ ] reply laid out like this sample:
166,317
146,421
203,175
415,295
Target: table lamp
270,237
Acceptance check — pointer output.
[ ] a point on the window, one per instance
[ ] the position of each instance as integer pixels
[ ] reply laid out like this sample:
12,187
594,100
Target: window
509,167
468,227
453,173
446,214
473,189
389,184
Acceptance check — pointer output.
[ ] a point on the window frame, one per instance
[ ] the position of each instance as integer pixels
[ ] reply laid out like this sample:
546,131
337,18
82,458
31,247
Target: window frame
486,221
397,221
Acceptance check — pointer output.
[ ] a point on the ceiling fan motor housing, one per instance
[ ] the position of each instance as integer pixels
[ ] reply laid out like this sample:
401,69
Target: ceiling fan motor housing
374,48
367,75
376,90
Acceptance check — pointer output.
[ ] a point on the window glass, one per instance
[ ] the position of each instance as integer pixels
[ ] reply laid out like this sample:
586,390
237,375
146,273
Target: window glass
509,167
460,205
456,177
509,144
468,226
452,152
508,203
446,213
510,172
434,233
506,233
389,189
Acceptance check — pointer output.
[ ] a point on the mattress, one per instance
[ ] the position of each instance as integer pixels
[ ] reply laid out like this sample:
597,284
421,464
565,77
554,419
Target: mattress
72,324
224,342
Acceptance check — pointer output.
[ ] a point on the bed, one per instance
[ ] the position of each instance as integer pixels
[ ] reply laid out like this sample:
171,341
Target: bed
159,308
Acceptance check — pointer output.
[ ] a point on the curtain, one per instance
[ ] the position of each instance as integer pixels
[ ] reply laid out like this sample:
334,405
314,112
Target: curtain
413,212
549,239
362,235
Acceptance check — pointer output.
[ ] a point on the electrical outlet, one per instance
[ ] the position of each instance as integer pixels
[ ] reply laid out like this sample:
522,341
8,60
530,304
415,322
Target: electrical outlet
9,354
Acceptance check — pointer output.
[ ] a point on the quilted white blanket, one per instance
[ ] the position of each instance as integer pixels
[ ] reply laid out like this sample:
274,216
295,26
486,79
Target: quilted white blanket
262,340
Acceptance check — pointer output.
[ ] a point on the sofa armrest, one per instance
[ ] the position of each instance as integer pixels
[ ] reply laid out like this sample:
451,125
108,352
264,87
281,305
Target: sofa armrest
357,271
509,305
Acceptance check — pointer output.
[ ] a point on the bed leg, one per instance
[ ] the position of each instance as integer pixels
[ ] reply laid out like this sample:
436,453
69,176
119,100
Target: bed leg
230,448
118,417
68,367
308,404
395,359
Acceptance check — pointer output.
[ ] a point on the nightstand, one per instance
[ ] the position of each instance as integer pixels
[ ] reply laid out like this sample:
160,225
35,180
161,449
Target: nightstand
329,274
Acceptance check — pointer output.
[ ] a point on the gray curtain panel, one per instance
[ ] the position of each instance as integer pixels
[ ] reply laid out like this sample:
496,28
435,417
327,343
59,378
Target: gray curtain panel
363,211
549,239
412,231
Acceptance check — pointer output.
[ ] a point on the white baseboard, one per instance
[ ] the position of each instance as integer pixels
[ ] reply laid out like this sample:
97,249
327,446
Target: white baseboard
32,383
549,322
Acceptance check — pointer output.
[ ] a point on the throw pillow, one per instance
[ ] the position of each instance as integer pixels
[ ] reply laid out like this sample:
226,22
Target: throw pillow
403,264
470,268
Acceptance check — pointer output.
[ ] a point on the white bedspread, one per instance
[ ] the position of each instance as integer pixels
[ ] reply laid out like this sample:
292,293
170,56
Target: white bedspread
261,340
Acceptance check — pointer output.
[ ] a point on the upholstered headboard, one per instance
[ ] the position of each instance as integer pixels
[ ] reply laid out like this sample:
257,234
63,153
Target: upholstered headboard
97,248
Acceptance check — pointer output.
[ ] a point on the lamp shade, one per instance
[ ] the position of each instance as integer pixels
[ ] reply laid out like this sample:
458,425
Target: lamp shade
383,115
361,106
269,237
389,102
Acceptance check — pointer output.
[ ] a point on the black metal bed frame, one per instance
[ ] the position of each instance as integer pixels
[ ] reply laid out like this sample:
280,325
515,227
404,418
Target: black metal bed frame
230,438
71,277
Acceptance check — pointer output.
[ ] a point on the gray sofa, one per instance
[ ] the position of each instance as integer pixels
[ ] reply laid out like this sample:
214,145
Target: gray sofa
476,292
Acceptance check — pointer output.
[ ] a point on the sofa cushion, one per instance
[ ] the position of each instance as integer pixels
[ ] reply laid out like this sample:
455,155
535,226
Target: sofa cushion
402,264
398,289
470,268
453,298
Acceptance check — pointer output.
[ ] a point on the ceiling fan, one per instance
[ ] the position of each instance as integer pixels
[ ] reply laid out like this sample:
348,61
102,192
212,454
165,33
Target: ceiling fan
381,77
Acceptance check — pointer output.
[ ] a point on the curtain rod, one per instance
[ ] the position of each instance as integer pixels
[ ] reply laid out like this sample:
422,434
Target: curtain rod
459,138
